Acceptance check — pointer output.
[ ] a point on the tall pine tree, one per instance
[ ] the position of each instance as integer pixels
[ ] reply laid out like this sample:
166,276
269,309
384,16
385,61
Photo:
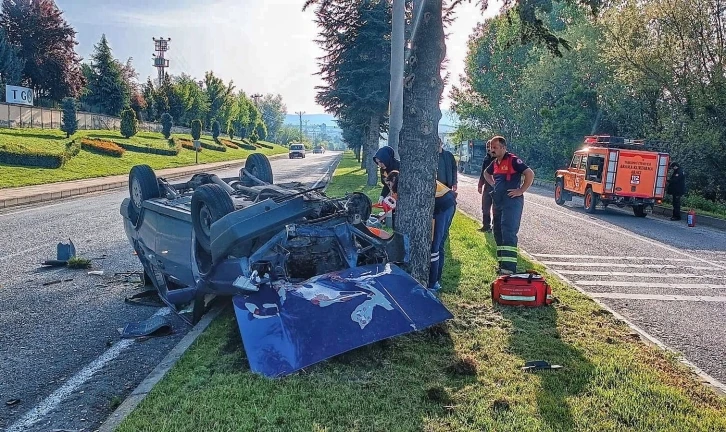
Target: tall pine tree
11,67
108,86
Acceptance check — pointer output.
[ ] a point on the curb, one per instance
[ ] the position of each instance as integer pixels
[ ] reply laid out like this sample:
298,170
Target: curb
144,388
70,190
706,379
657,209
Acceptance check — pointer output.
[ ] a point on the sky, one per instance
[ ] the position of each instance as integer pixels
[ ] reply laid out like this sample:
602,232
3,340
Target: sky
264,46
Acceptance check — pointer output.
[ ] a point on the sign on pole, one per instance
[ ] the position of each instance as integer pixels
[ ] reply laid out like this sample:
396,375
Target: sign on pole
18,95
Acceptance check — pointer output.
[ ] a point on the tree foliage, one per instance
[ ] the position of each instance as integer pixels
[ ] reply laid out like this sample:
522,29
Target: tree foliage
196,129
46,46
215,129
273,112
109,81
129,124
11,66
69,122
167,122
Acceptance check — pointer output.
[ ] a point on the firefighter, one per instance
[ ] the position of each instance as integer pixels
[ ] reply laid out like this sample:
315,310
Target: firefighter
677,188
505,175
444,209
485,190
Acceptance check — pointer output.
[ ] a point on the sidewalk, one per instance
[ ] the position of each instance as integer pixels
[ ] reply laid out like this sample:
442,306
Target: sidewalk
658,210
12,197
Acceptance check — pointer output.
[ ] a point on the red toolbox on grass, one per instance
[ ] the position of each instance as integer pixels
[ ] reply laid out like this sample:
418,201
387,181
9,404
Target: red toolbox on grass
521,289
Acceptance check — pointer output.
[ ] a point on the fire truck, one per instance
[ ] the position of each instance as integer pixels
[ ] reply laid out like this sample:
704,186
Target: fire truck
614,170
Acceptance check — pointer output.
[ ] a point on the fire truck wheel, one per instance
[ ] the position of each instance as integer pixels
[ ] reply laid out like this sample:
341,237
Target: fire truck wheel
591,199
559,192
639,211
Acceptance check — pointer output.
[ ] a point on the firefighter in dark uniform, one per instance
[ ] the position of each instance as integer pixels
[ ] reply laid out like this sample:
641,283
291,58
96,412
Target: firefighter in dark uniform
485,190
505,175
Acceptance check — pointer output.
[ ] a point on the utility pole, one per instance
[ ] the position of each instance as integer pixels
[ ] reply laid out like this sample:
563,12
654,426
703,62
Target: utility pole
397,60
256,97
300,113
161,46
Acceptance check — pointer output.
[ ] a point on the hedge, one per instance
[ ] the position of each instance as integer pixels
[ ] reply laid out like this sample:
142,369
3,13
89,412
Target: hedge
102,147
189,145
11,154
267,146
173,150
214,147
228,143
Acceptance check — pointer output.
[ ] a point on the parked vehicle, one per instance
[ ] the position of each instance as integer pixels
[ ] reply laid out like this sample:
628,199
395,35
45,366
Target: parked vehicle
307,278
297,150
614,170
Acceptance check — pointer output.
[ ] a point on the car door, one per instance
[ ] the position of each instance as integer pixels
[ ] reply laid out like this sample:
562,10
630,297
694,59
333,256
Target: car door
571,173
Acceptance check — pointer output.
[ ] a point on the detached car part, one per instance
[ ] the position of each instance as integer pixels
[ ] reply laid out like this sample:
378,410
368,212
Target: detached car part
308,279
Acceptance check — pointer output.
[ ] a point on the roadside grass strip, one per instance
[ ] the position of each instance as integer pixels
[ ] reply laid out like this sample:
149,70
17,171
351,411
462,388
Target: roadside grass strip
460,376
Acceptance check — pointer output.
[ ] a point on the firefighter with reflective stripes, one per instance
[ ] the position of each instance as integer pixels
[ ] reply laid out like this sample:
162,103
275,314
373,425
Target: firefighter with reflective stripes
444,209
505,175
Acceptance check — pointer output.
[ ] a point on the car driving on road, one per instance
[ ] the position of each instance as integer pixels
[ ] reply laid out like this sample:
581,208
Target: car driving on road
297,150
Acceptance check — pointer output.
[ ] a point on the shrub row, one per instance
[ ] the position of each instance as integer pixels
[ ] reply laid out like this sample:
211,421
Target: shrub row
214,147
267,146
187,144
228,143
95,145
12,154
173,150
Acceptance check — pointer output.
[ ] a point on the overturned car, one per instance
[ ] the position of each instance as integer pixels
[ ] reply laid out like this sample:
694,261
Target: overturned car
308,279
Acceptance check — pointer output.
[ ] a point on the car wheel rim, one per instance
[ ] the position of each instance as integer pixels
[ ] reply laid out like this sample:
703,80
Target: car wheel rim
205,220
136,193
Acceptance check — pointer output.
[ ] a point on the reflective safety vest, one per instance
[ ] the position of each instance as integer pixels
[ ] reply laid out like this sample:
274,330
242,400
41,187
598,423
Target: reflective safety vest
505,166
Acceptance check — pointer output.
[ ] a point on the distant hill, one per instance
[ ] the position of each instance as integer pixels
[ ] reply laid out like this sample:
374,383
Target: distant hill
448,122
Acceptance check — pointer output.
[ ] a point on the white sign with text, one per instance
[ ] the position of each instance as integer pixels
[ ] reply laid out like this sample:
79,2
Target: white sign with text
18,95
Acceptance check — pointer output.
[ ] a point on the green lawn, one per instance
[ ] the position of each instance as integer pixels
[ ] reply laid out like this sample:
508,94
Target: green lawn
461,376
88,165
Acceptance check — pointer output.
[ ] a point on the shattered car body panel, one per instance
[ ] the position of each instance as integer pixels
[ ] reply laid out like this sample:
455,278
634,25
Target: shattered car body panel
298,264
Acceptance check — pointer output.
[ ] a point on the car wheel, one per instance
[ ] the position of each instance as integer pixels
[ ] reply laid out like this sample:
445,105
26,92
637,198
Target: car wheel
590,201
143,185
559,192
259,166
210,203
639,211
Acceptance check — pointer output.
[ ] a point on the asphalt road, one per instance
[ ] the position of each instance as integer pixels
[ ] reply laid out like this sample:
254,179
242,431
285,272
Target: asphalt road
666,278
61,357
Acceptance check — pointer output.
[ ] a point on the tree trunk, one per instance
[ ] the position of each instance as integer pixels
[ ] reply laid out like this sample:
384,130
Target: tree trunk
423,87
397,61
356,151
372,145
363,156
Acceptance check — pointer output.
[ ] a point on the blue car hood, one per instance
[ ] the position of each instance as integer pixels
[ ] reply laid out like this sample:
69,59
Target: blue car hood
286,327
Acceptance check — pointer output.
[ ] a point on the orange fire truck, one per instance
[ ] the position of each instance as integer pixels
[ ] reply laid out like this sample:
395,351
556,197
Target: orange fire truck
614,170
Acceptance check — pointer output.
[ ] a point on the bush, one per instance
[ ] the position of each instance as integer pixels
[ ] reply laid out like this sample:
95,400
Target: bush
102,147
230,130
261,130
229,143
189,145
261,144
215,130
196,129
20,156
254,137
73,147
167,122
214,147
129,124
69,123
172,151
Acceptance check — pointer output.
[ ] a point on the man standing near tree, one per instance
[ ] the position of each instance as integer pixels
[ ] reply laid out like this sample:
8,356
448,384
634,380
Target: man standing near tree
505,175
485,190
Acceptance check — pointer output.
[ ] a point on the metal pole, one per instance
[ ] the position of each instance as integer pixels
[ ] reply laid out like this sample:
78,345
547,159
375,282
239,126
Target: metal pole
397,60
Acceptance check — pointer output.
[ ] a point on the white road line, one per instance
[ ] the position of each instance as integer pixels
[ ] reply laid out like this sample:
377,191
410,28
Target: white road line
626,296
627,234
610,257
620,265
645,275
24,251
51,402
646,284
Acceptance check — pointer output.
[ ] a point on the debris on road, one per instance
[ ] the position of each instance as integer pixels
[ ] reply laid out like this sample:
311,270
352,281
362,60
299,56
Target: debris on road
96,273
57,281
154,326
146,298
12,402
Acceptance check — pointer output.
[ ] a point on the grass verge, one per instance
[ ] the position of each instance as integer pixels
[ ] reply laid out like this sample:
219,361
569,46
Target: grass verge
89,165
461,376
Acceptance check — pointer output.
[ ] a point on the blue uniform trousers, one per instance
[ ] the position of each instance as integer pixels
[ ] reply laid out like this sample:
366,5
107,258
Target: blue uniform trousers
442,223
507,215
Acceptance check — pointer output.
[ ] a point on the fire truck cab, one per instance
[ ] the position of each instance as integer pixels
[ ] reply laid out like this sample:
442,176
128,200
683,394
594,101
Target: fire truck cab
614,170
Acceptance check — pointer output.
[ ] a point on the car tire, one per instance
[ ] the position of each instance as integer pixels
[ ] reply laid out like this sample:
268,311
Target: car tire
591,199
143,185
560,192
639,211
210,203
259,166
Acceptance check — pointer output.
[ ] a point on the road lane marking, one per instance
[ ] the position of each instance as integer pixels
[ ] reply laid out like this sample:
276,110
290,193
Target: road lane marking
620,265
627,296
51,402
627,233
610,257
24,251
645,275
645,284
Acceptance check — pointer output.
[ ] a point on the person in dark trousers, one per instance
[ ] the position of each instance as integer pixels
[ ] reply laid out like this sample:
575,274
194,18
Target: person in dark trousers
386,160
505,174
444,209
677,188
485,190
447,172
